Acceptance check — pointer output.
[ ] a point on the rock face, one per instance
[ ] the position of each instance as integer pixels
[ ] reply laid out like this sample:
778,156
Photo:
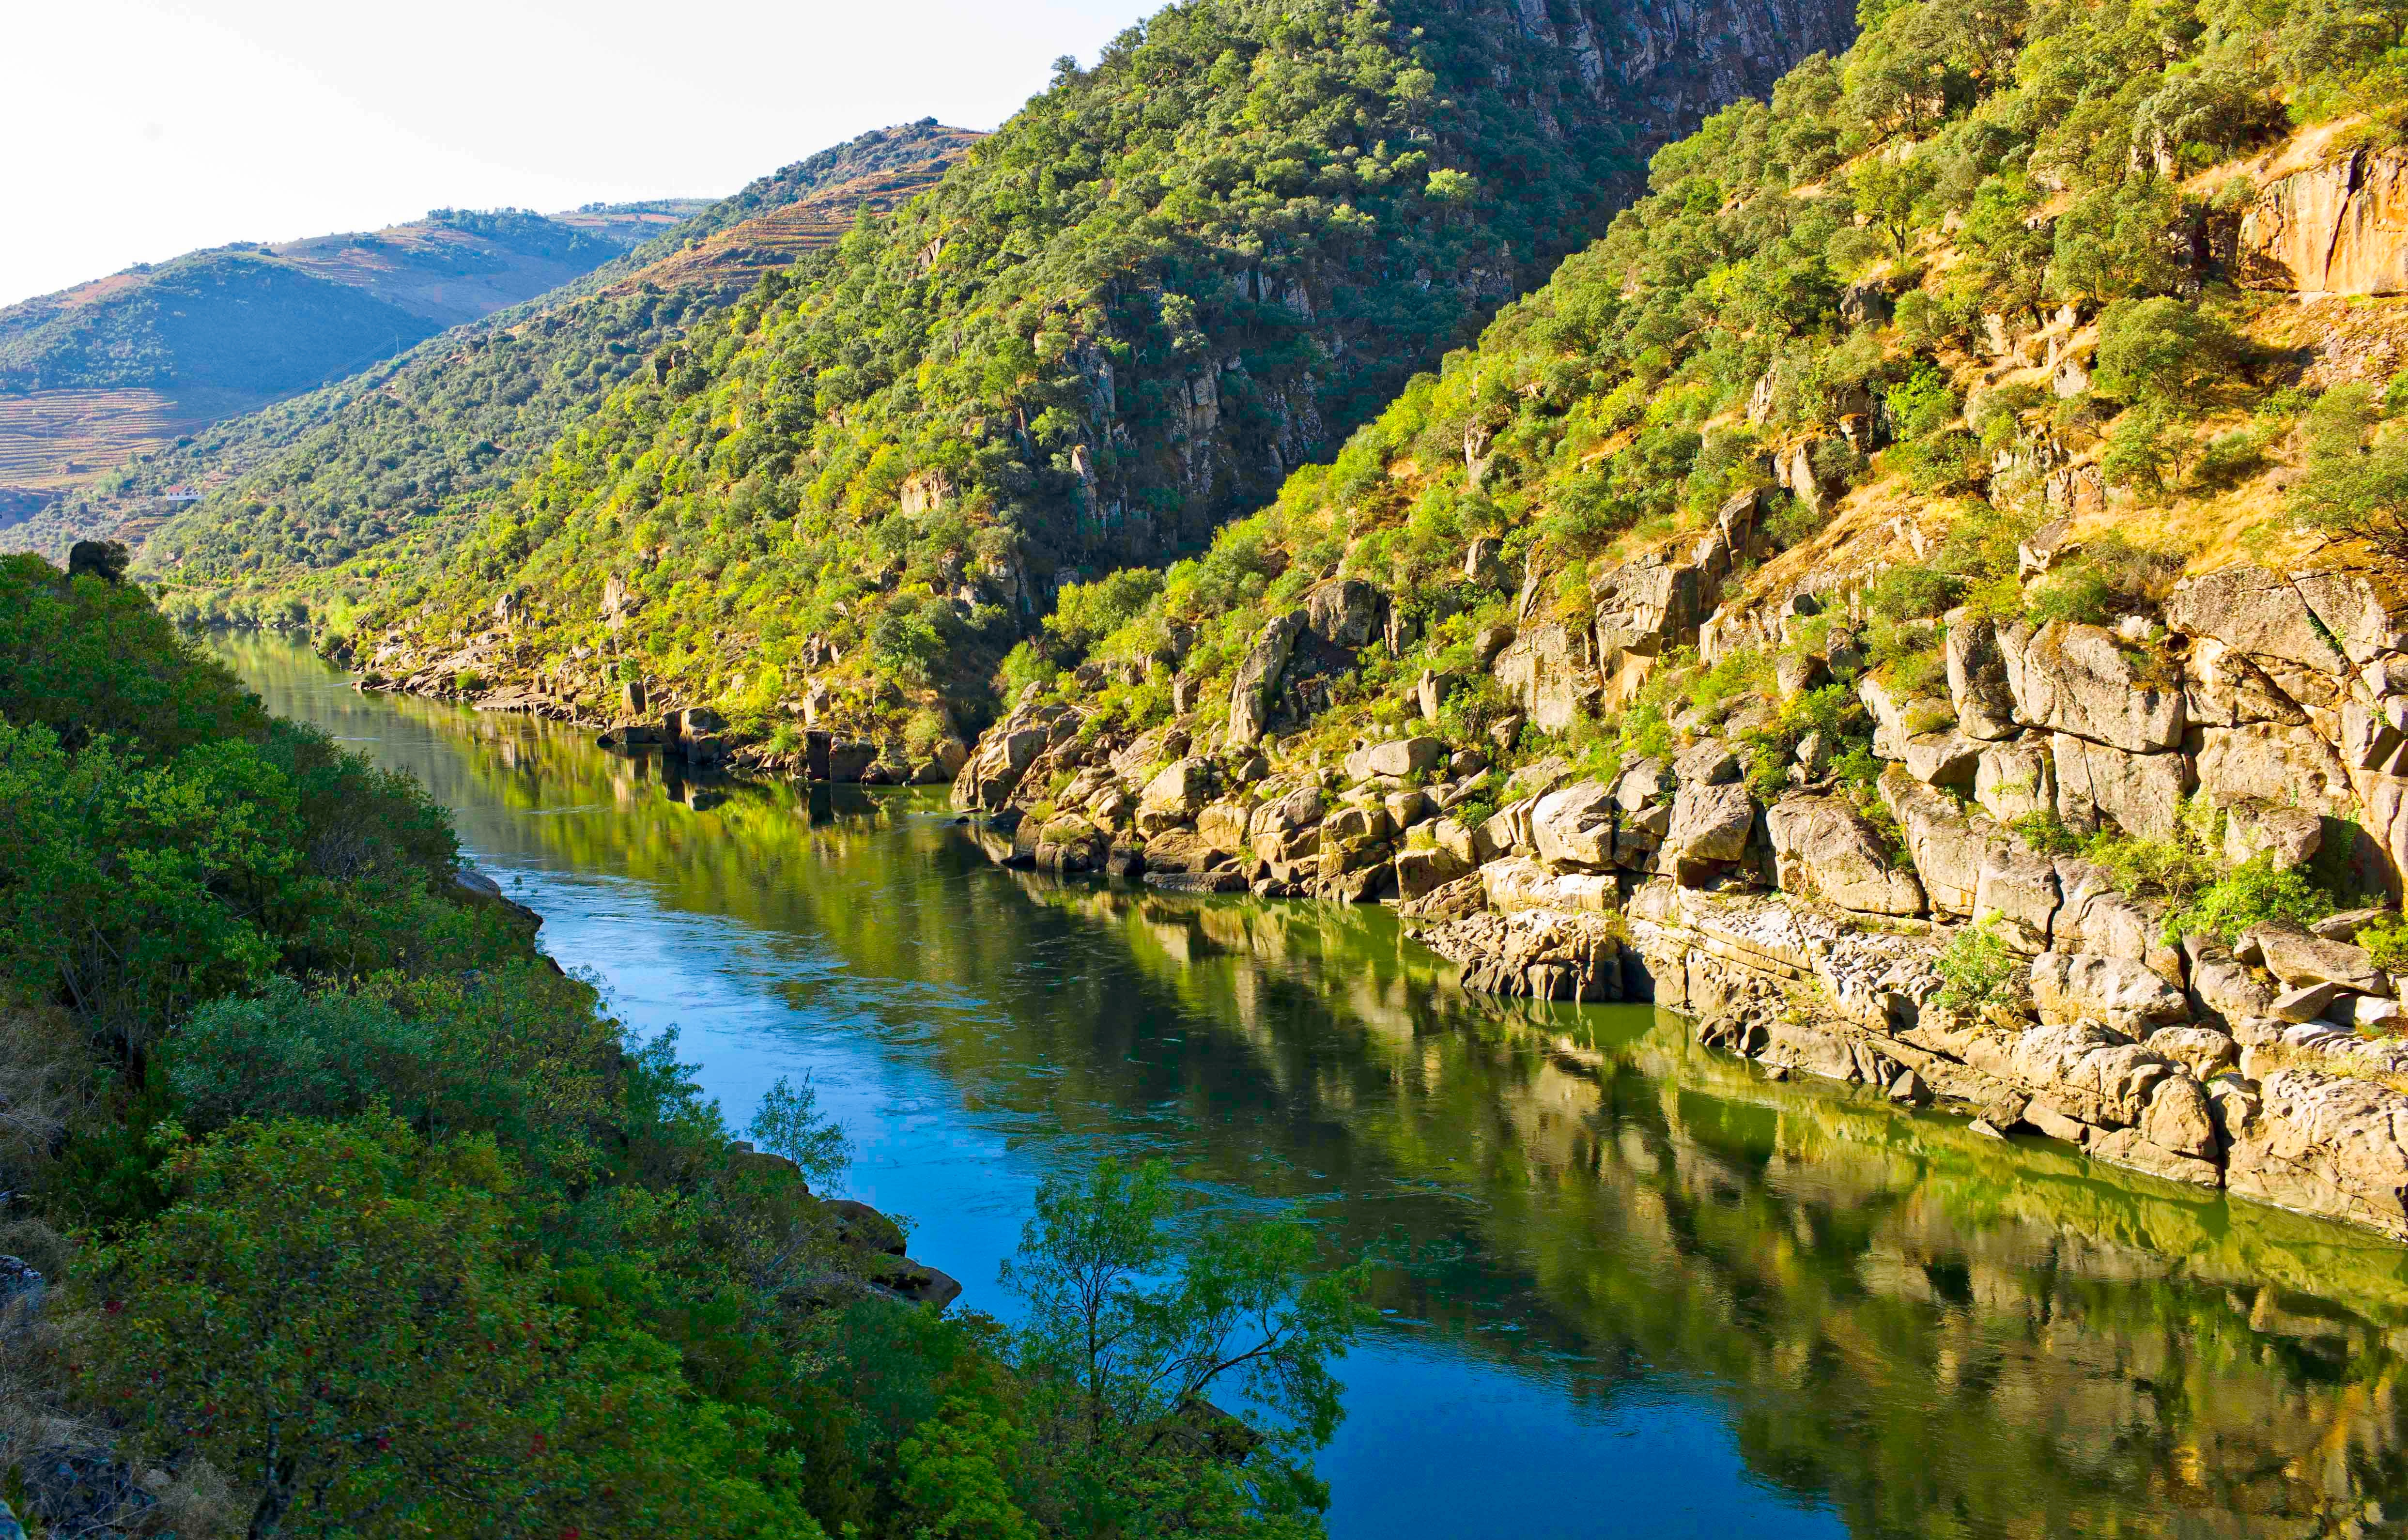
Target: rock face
2339,228
1259,675
1823,846
1804,929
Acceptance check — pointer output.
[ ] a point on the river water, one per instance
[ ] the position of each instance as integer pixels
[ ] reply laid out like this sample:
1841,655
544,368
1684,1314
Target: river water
1638,1289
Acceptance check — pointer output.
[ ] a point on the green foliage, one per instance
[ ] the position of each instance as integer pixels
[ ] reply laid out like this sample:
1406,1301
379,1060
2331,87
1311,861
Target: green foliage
2163,353
2356,481
345,1318
1975,968
1123,1349
2252,893
790,1124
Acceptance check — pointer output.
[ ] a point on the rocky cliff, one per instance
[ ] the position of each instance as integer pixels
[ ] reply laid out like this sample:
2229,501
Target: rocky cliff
1805,930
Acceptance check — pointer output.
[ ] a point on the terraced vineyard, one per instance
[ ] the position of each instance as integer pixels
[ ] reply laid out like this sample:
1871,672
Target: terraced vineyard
53,439
743,252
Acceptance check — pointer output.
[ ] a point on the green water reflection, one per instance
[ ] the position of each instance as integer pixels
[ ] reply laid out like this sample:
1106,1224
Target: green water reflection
1926,1332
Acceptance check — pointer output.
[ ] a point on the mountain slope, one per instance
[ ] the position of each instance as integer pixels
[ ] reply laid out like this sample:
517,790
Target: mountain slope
1165,282
309,481
2014,377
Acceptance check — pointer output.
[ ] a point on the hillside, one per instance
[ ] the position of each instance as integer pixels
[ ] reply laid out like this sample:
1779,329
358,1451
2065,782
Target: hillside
1926,595
1163,284
311,480
129,364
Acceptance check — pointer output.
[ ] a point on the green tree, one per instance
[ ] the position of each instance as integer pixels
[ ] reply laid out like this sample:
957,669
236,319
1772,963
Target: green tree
1889,190
329,1315
1126,1337
2356,481
2163,353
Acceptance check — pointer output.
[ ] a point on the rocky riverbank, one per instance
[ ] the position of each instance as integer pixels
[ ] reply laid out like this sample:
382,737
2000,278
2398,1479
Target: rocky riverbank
1803,923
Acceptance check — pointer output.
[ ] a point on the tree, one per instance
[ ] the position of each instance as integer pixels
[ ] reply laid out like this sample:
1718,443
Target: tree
1124,1342
2163,353
1888,190
328,1317
2358,470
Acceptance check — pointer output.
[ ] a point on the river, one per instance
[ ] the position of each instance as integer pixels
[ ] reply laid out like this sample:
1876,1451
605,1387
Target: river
1637,1288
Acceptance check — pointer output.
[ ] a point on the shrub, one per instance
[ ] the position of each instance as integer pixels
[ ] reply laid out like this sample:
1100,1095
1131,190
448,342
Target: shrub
1976,968
2252,893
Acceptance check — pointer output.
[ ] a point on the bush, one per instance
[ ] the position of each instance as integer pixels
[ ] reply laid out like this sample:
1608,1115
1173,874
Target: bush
2252,893
1975,968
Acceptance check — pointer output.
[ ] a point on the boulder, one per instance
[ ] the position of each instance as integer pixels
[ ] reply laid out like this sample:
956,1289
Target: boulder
2142,794
1348,613
2328,1144
2019,887
1397,758
1484,564
1464,842
1709,826
1175,795
1518,882
1796,672
1708,763
1222,825
2084,681
1539,671
1299,808
1409,806
2221,989
2111,990
1180,851
2298,957
2016,777
1422,868
2085,1071
2289,837
1537,779
2128,1147
1642,784
992,773
1259,675
2274,762
1821,845
2306,1002
2204,1051
1357,822
2097,917
1977,681
2255,611
1944,757
1573,828
1947,845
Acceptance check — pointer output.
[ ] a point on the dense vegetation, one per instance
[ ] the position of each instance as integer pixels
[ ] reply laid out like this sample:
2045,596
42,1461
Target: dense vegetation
1165,282
362,1220
432,437
1842,280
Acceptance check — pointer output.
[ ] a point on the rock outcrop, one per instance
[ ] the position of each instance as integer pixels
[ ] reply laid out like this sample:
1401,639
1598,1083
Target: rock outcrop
1800,918
2337,228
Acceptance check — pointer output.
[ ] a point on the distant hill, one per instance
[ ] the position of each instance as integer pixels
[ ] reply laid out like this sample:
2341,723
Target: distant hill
306,481
135,360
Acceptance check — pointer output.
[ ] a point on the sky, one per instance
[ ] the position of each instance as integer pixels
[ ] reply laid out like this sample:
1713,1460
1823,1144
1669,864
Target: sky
138,129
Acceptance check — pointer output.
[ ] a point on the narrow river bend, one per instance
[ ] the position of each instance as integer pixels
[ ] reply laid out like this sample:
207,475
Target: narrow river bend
1641,1291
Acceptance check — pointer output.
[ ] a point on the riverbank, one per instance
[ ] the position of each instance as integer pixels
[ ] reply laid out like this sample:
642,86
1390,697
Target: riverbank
1987,917
1610,1249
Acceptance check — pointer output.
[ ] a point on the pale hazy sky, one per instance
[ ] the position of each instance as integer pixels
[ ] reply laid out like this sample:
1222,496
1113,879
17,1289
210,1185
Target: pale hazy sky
134,130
